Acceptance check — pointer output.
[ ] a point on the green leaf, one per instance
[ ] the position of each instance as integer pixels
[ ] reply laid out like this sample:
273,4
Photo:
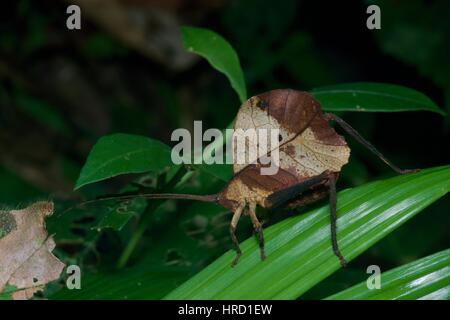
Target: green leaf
133,283
123,153
117,217
7,292
219,53
166,259
223,171
426,278
299,253
373,97
82,224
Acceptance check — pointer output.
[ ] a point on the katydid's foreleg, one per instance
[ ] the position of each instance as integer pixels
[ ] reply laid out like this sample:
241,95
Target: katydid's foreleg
234,221
257,227
355,134
333,216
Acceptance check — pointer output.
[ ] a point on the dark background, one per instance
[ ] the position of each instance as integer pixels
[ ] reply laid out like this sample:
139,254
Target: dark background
61,90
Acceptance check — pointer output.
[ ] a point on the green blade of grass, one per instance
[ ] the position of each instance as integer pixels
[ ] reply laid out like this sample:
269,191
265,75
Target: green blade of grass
373,97
219,53
426,278
299,248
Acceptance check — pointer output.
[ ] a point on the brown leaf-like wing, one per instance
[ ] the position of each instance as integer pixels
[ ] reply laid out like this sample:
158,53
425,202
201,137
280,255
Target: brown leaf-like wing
308,146
289,111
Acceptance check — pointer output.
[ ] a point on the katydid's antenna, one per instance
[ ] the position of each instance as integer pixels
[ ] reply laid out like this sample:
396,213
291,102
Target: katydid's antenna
168,196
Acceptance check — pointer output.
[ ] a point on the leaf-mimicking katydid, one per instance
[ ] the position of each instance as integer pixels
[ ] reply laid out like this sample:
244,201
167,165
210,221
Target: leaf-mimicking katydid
311,156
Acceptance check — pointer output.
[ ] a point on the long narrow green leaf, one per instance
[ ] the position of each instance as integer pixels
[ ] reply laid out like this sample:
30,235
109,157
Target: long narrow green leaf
426,278
367,96
299,248
219,53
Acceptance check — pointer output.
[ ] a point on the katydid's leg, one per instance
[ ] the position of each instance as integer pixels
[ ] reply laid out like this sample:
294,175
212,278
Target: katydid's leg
233,225
355,134
333,216
308,198
257,226
283,196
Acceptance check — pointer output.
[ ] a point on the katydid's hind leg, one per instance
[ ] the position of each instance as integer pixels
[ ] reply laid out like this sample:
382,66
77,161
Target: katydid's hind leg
257,227
234,221
355,134
281,197
333,216
308,198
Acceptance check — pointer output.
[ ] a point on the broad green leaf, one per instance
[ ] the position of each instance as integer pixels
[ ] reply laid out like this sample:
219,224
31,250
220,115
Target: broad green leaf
426,278
133,283
123,153
219,53
373,97
117,217
298,249
82,224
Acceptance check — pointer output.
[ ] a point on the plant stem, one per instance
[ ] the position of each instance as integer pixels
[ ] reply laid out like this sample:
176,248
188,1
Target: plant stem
135,238
146,217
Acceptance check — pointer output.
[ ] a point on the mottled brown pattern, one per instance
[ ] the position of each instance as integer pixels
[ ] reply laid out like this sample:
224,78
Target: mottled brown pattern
324,132
251,177
249,185
26,258
294,109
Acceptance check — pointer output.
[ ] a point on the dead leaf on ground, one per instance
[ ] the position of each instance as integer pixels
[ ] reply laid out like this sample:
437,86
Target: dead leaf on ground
26,259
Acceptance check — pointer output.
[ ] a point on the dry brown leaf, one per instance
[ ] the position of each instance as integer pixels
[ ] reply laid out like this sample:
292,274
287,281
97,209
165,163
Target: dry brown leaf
26,259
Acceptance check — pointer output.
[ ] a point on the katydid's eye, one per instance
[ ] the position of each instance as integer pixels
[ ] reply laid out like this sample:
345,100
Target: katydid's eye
280,137
263,104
